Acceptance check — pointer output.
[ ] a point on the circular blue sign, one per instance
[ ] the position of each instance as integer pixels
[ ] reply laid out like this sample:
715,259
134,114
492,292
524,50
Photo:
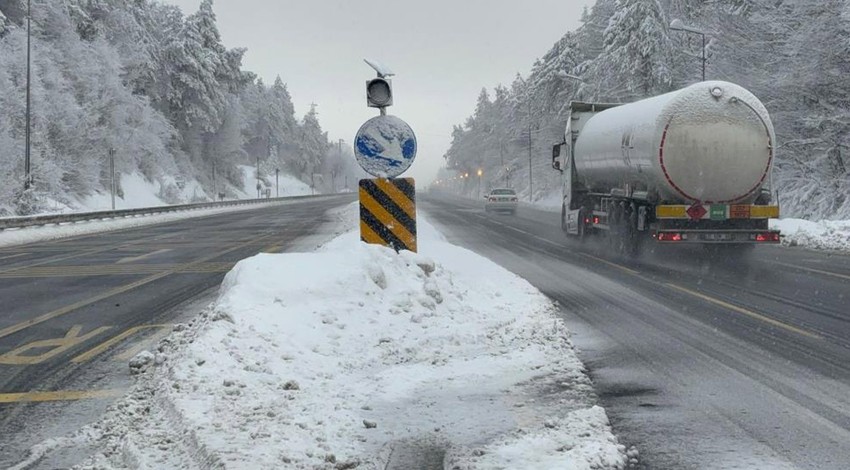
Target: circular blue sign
385,146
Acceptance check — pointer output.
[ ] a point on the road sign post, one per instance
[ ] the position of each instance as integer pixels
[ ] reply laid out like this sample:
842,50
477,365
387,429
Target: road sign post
385,147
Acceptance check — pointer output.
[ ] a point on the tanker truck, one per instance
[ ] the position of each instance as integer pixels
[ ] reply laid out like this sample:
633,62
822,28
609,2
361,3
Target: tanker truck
688,167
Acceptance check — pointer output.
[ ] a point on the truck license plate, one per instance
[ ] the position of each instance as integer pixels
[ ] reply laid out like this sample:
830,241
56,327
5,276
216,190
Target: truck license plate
719,237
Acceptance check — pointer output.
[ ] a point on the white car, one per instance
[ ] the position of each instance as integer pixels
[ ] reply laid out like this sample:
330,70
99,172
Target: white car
501,199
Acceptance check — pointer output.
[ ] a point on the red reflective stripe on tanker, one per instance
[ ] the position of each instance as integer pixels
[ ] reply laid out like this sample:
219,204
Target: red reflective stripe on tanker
766,169
727,201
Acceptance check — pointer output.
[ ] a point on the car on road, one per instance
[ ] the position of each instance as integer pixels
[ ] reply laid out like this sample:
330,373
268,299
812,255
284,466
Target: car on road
501,199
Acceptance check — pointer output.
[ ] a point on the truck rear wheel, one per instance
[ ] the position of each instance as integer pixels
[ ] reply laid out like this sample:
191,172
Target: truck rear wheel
622,233
564,218
582,225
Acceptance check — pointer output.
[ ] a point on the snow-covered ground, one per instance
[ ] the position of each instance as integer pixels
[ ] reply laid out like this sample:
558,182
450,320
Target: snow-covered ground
137,191
287,185
550,202
822,235
355,357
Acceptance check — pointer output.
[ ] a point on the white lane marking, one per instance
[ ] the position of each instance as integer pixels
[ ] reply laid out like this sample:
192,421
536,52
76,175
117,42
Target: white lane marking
614,265
144,256
18,255
812,270
544,240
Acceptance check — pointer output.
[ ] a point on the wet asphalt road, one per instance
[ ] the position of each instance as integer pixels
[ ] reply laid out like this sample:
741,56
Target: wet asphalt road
74,311
702,362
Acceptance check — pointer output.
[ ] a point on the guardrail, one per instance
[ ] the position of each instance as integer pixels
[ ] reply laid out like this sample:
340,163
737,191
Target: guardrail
19,222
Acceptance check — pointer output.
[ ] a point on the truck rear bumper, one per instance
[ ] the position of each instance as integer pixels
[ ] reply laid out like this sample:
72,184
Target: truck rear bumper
718,237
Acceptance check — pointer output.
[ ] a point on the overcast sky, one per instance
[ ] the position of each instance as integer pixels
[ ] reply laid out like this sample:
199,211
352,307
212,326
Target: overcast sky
442,51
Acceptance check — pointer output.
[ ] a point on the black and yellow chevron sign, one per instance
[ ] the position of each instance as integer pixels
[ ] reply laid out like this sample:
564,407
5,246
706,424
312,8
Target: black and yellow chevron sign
388,212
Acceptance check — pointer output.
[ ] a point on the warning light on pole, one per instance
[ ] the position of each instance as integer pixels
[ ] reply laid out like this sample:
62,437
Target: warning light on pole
379,93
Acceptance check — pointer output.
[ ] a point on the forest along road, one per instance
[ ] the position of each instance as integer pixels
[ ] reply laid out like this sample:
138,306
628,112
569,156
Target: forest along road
74,311
701,363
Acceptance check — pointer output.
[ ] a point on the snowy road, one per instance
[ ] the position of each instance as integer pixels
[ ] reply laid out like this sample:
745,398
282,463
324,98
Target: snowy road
75,310
701,364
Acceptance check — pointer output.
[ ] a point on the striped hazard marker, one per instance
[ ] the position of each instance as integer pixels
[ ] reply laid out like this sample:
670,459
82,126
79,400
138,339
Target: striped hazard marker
388,212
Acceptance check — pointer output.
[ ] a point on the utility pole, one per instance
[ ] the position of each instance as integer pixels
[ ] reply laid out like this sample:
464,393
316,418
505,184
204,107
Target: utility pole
27,165
215,187
502,158
112,171
530,181
338,167
277,182
258,176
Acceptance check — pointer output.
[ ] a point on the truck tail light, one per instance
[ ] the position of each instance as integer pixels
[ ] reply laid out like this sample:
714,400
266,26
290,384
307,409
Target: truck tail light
670,237
767,237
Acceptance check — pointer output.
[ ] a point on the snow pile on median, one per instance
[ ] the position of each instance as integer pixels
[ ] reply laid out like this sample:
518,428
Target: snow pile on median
823,235
358,357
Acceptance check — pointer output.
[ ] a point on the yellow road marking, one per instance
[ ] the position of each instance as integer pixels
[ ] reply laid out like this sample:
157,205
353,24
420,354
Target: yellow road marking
57,346
747,312
100,348
615,265
142,257
61,395
813,270
17,255
272,249
76,305
116,270
118,290
74,254
719,302
142,345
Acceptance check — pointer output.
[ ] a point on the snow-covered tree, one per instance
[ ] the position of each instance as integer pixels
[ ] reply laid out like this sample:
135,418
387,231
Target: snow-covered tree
139,77
793,54
313,146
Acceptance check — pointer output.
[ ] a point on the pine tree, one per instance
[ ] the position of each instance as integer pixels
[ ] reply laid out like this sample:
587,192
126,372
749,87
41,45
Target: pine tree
313,146
637,49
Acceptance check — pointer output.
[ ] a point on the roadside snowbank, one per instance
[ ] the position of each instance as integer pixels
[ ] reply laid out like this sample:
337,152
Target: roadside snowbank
357,357
137,192
823,235
287,185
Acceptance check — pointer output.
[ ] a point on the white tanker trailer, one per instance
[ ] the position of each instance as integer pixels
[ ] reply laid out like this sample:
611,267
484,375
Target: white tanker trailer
690,166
